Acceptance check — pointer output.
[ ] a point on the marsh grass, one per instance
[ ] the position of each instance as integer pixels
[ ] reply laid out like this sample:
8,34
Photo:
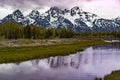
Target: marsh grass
115,75
17,54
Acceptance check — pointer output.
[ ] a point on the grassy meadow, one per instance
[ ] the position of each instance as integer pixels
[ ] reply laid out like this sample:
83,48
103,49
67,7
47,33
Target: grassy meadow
17,54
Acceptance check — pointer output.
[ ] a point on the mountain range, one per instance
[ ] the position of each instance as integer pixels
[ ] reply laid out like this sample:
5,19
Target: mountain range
75,19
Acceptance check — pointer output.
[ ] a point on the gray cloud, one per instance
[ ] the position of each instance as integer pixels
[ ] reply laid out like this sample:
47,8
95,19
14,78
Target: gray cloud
26,4
99,7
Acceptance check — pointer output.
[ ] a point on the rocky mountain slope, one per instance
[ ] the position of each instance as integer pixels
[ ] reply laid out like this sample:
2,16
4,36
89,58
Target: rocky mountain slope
75,19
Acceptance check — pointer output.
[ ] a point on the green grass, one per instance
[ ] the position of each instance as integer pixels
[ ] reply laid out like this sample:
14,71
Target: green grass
115,75
27,53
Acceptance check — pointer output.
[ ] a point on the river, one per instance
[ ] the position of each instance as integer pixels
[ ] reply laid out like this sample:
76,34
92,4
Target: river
95,61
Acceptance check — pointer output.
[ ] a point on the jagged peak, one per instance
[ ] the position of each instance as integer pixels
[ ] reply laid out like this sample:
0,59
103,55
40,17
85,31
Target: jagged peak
35,11
54,11
34,14
56,16
66,10
118,18
76,8
17,12
54,8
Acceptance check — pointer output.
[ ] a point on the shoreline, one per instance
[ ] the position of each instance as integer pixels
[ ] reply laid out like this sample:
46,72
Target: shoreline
18,54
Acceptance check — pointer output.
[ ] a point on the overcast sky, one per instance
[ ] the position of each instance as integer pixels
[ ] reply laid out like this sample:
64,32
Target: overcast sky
103,8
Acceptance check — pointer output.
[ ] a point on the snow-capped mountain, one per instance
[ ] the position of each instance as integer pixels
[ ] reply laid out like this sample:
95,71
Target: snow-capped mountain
75,19
17,16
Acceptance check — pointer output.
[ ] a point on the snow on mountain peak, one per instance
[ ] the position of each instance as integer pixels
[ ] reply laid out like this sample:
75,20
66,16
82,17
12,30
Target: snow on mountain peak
17,12
34,14
75,10
74,18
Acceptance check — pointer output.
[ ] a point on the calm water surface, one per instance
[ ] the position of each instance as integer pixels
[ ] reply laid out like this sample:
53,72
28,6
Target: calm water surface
92,62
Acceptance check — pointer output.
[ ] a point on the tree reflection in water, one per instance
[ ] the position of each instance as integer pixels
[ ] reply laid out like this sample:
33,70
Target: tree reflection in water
92,62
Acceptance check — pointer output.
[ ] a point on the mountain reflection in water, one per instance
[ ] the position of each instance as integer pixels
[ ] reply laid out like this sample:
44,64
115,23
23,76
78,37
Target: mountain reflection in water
92,62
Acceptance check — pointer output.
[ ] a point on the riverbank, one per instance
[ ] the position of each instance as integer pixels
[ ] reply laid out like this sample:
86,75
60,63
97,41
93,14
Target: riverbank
115,75
35,42
17,54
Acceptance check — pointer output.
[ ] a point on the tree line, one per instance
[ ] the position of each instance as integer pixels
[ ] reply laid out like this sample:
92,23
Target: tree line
12,30
100,35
